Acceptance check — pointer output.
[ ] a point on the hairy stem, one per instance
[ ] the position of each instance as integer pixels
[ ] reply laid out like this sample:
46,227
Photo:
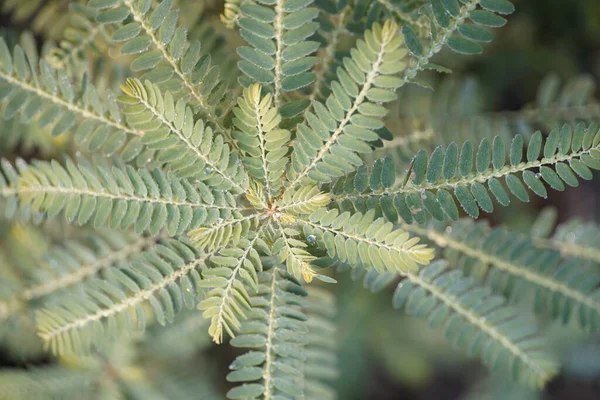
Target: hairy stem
272,325
278,25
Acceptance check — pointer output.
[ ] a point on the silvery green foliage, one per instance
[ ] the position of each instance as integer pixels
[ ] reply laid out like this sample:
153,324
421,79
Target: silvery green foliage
230,197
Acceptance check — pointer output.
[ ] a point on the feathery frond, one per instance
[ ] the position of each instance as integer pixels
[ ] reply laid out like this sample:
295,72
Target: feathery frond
121,197
275,332
568,155
279,57
258,136
67,266
42,94
166,278
163,51
514,266
449,28
360,238
475,319
228,275
187,147
351,115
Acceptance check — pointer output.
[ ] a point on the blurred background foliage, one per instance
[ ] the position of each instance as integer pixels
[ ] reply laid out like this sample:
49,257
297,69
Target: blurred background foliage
383,354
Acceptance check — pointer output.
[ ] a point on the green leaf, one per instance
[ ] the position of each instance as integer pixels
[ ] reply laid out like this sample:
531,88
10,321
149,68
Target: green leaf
516,150
552,178
484,156
498,153
551,143
465,162
487,19
412,42
482,197
517,188
146,61
467,201
436,163
127,32
388,172
499,6
566,174
113,16
419,167
450,161
535,145
464,46
533,181
498,190
294,108
475,33
447,202
5,58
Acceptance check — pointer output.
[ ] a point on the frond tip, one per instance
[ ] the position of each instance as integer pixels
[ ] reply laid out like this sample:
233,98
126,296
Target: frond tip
185,144
363,240
232,273
293,252
224,232
305,200
327,147
259,137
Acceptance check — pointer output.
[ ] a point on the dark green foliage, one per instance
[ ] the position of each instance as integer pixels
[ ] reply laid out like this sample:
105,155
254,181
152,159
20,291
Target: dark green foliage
436,183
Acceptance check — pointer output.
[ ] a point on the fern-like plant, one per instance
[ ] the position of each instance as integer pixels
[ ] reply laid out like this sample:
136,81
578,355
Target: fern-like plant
231,192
